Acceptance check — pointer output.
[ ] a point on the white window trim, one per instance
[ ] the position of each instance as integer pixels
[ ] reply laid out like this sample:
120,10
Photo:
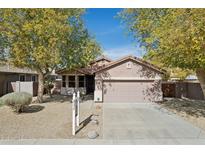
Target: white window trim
67,80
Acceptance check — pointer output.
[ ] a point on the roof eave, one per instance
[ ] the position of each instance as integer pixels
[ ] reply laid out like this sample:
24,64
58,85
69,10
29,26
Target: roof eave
135,59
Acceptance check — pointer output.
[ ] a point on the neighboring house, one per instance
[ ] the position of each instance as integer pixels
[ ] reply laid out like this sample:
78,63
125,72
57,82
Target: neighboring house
126,80
9,75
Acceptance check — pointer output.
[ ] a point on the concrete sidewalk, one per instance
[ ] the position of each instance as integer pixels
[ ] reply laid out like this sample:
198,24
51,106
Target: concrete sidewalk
103,142
147,123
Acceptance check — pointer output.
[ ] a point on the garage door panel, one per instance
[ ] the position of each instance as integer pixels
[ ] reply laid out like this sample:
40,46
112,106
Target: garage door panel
128,92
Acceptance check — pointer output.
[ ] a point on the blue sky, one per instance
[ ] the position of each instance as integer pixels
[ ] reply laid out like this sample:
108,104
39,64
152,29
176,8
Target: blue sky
110,33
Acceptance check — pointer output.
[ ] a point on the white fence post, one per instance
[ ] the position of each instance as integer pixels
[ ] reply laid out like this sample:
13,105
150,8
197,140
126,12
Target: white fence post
73,114
78,109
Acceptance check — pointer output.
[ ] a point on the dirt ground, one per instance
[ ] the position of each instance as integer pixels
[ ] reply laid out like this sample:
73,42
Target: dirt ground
191,110
49,120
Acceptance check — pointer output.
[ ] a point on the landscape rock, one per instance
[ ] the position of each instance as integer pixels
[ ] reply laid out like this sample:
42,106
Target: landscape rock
92,134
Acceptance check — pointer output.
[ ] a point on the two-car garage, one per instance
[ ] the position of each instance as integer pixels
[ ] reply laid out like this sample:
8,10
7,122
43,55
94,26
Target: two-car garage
128,80
129,91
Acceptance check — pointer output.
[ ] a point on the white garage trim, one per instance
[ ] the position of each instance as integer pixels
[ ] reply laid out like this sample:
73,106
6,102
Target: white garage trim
129,78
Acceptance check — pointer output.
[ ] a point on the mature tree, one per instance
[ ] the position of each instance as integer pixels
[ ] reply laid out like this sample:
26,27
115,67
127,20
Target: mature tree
171,72
47,39
3,45
175,37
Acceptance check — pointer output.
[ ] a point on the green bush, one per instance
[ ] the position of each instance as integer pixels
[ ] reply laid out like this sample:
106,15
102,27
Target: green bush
17,100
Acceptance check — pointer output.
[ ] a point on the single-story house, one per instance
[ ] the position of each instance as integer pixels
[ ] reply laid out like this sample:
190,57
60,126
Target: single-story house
129,79
9,75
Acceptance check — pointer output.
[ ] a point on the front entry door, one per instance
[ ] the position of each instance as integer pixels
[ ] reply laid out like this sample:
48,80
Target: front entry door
90,84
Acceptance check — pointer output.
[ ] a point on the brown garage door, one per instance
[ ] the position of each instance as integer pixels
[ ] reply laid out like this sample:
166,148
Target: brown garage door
128,91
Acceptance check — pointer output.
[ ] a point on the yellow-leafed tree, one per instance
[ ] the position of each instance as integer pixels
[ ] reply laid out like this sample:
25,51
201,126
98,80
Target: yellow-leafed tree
46,39
174,37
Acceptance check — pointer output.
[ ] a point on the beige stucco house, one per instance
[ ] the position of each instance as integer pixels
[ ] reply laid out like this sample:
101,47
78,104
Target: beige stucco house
129,79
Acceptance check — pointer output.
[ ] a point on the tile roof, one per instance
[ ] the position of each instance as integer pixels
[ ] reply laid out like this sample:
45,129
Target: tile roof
139,60
92,68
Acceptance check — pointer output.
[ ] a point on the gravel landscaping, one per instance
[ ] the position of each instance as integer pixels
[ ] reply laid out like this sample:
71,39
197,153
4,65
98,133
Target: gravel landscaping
50,120
191,110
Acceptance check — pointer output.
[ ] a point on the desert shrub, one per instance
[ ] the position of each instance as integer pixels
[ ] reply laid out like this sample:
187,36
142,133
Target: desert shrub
17,100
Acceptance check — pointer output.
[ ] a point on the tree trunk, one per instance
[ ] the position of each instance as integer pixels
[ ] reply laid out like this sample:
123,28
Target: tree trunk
40,87
49,92
200,73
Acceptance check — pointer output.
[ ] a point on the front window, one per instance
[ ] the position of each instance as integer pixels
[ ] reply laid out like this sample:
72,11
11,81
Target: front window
22,78
63,81
81,81
71,81
33,78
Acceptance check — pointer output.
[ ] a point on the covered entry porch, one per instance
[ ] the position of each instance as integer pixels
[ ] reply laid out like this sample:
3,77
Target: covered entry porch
76,80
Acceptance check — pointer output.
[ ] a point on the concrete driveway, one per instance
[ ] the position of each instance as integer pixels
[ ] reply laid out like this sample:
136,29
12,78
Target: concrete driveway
136,123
